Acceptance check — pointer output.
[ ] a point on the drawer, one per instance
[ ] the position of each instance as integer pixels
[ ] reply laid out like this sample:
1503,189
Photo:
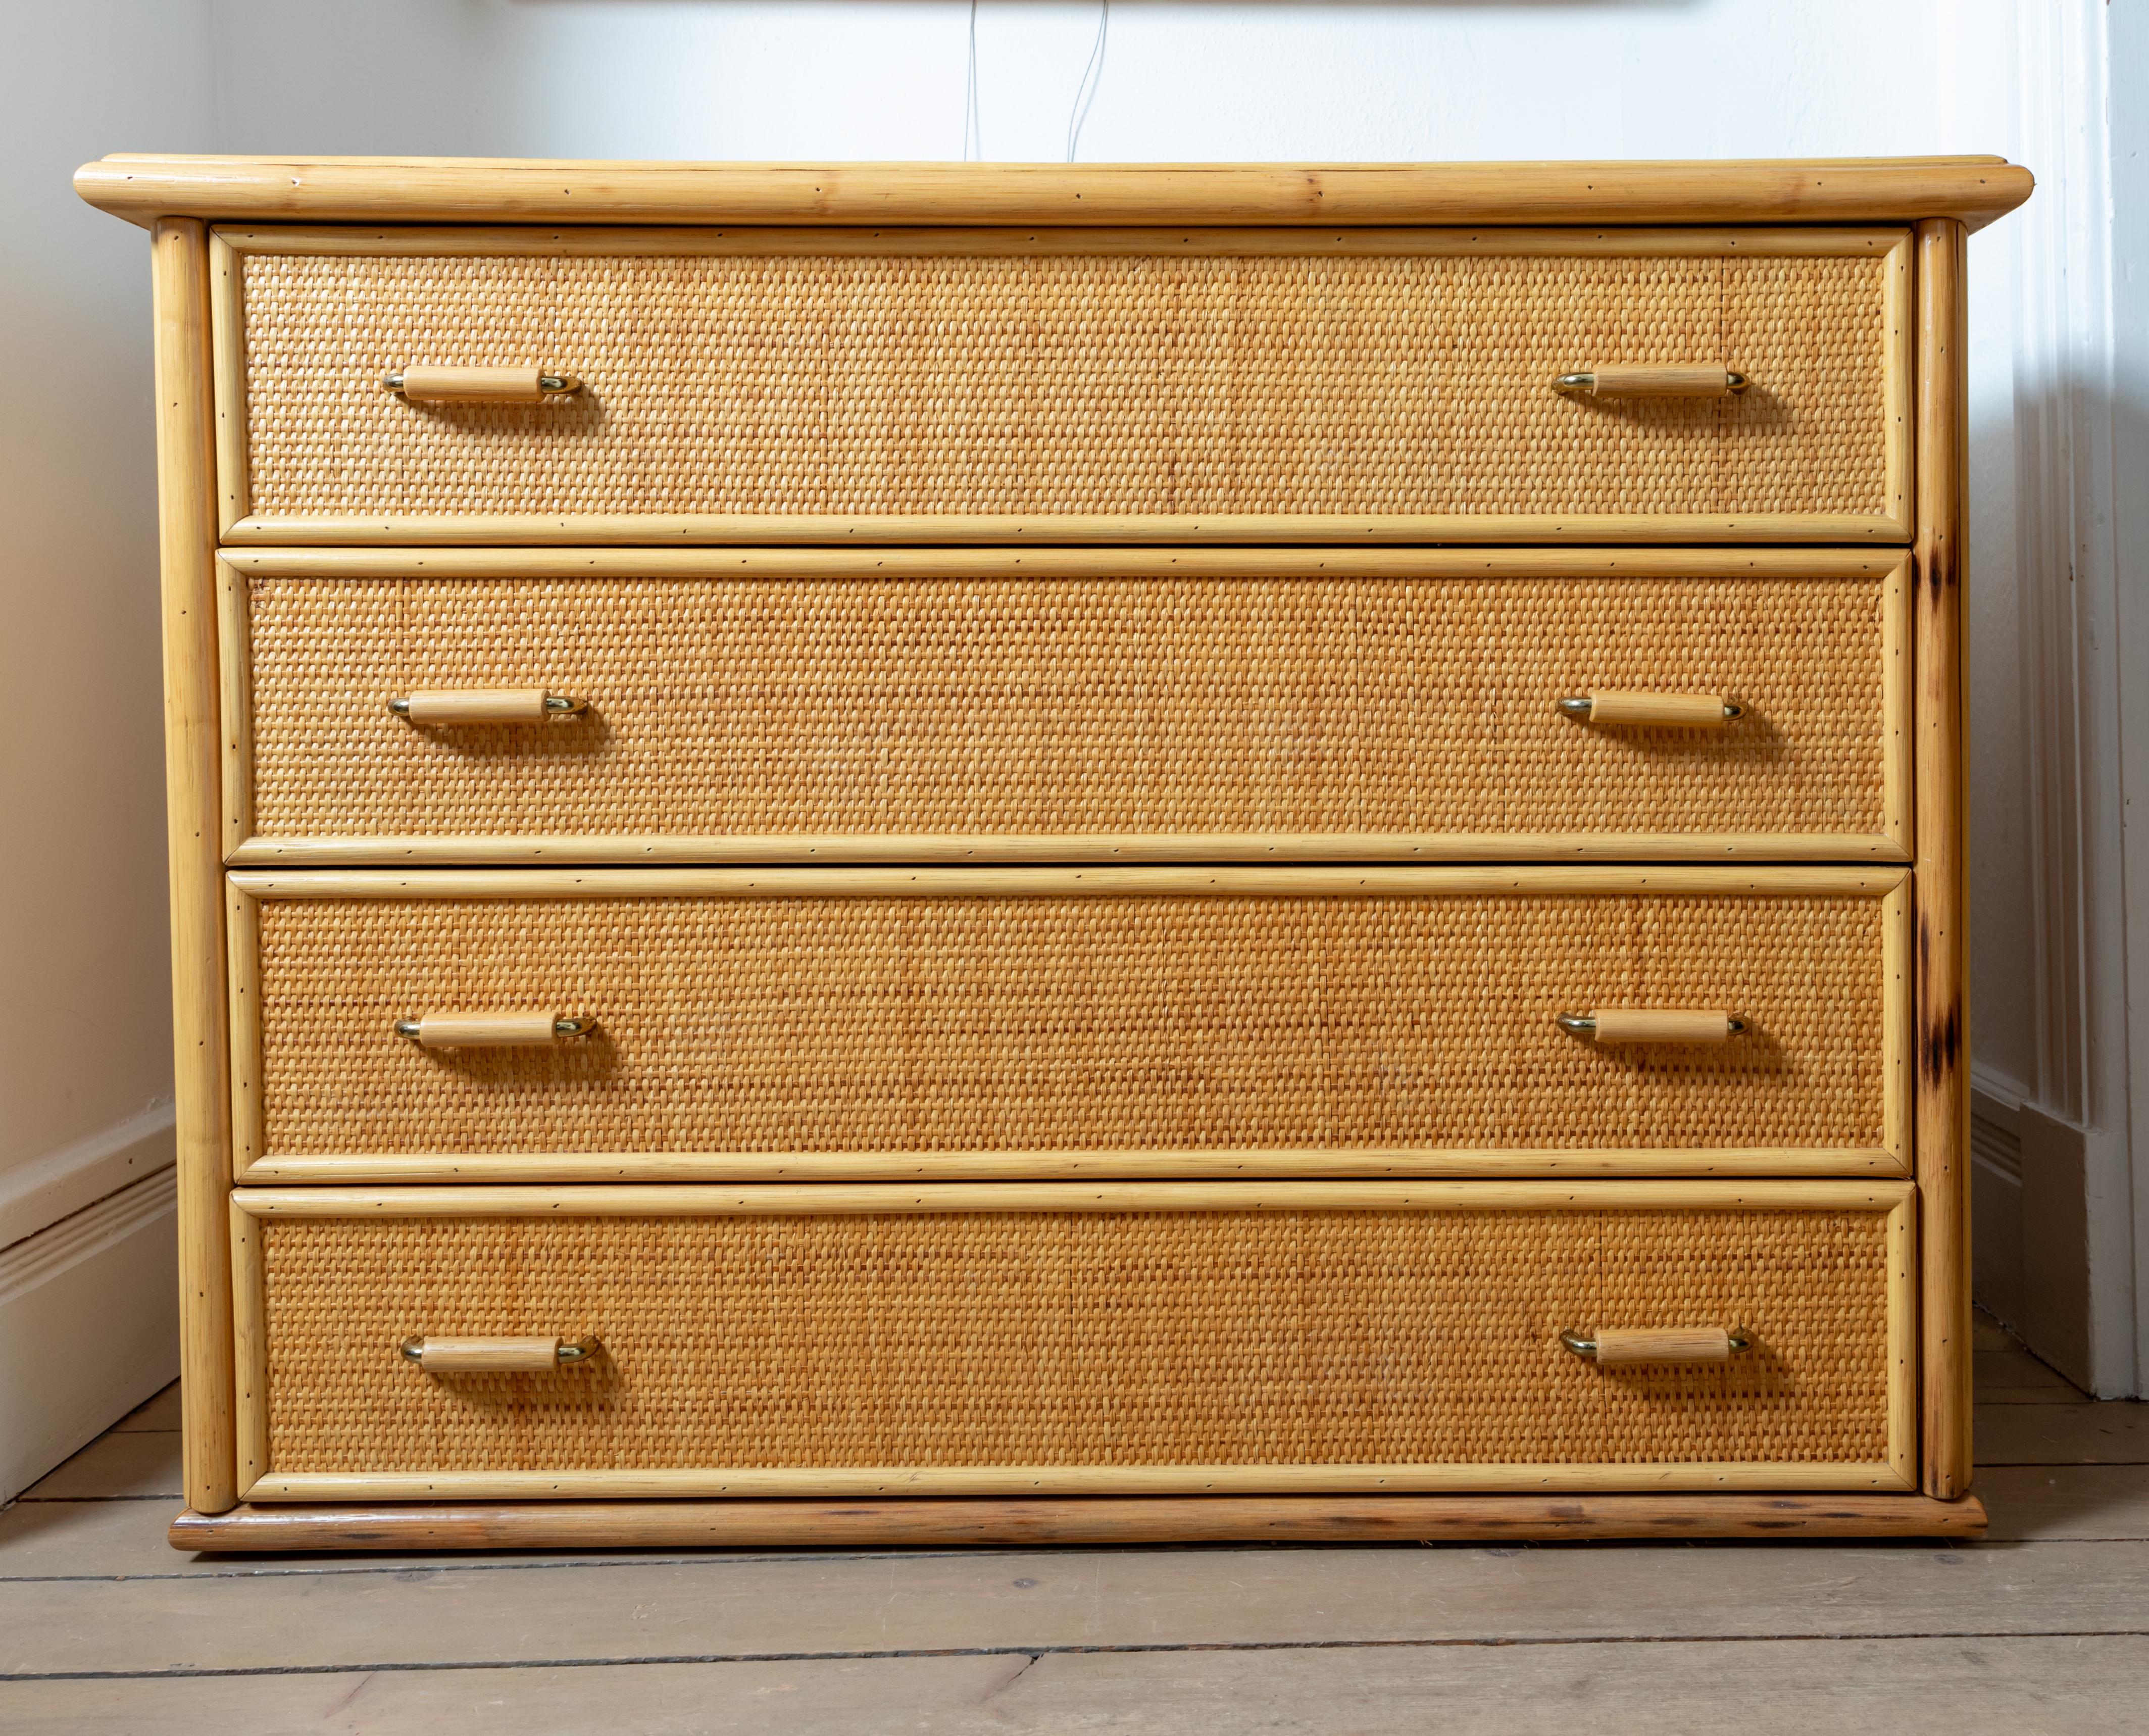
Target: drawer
1202,704
1072,1338
954,1023
1055,385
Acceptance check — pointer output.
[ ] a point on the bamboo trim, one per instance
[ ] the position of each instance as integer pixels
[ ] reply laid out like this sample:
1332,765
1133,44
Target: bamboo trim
244,849
250,1338
235,630
1897,382
242,969
228,328
1902,1233
867,1481
1943,1099
237,525
683,848
1898,1025
1896,706
1153,881
449,528
1893,1199
671,1167
448,190
186,479
919,1521
502,240
1357,561
814,1198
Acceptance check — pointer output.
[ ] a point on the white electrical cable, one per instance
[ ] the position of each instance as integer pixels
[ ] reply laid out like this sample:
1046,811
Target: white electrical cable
1085,92
974,132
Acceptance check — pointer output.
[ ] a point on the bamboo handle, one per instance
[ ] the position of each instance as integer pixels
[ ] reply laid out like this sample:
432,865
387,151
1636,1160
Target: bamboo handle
1654,1024
1670,380
437,1356
492,1030
484,704
478,386
1677,710
1612,1347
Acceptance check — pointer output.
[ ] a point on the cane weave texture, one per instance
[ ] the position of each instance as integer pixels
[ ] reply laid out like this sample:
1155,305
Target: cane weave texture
1026,706
945,1022
1163,1338
864,386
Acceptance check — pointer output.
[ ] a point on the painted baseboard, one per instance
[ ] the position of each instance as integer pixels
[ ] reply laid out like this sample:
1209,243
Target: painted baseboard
89,1325
2030,1226
38,1194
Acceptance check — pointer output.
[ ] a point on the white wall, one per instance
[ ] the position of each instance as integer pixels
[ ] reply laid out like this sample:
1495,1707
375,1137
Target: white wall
83,927
88,1294
821,80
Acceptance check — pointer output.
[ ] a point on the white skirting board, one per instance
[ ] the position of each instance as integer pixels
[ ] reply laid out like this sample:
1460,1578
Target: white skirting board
89,1326
2029,1229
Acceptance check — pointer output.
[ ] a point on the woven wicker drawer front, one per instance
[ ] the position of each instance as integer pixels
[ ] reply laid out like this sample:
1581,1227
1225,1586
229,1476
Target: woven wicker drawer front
842,377
747,1352
766,1011
757,716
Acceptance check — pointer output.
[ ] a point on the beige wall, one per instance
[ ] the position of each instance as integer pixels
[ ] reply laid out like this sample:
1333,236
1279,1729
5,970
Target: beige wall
85,1022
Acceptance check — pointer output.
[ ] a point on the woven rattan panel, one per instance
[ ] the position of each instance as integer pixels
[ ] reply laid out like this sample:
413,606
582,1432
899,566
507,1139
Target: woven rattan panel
1012,705
936,1023
1092,385
1187,1338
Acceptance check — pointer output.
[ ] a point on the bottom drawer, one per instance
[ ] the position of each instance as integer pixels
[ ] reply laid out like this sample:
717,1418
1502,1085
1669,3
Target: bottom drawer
1070,1338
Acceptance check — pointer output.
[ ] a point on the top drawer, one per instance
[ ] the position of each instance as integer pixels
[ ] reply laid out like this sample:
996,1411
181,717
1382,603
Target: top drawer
982,384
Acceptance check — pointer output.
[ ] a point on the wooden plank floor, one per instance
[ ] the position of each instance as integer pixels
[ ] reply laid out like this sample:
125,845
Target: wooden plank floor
2044,1627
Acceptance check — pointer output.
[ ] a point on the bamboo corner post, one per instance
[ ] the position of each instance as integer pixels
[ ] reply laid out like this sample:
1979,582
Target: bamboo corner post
1942,1052
186,472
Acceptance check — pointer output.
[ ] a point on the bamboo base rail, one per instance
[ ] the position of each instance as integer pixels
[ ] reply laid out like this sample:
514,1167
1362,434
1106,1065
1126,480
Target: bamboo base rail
923,1523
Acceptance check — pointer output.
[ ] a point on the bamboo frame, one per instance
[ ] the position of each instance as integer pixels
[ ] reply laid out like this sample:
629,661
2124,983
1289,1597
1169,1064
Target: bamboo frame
186,521
1893,1475
243,847
1940,878
834,1199
1898,1032
202,459
672,1168
250,1339
1311,881
475,529
868,1483
546,849
253,1164
1358,561
238,525
227,349
924,1522
505,240
1902,1231
377,189
242,926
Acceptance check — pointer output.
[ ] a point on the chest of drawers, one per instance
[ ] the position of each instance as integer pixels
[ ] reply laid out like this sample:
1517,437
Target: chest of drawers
1066,854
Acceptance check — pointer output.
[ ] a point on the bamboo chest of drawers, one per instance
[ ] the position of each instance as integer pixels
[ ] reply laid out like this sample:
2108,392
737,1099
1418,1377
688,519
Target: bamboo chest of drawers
1003,853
